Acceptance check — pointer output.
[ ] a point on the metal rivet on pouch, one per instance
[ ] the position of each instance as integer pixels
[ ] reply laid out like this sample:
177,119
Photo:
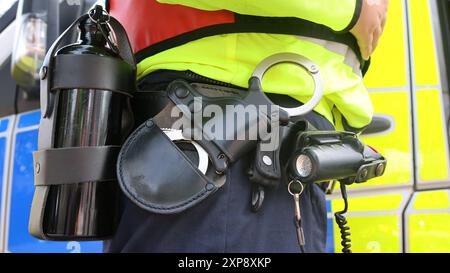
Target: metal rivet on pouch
210,187
181,93
149,123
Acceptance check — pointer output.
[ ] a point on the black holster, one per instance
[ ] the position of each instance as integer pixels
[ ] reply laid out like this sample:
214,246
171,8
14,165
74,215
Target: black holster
84,96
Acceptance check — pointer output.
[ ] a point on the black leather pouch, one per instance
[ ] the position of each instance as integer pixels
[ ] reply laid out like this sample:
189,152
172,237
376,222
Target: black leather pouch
158,177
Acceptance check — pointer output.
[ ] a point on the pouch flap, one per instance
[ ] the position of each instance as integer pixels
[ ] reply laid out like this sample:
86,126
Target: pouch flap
157,176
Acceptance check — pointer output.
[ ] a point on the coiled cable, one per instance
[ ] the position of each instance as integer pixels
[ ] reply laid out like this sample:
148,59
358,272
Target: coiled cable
341,221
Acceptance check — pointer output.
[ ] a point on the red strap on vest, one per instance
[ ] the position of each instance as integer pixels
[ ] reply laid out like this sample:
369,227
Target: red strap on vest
148,22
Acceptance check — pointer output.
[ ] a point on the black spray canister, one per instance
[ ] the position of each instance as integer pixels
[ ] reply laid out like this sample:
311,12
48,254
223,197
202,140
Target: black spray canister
85,88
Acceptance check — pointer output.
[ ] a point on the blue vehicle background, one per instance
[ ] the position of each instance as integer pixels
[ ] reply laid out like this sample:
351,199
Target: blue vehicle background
415,213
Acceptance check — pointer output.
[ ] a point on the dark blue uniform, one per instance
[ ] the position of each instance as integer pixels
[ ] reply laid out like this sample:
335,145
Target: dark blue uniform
224,222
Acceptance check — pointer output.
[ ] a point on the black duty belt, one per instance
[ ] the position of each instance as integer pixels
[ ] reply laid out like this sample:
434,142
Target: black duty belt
172,162
164,188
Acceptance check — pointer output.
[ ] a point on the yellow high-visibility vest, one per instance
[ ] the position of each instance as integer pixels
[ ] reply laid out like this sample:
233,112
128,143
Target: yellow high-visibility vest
232,58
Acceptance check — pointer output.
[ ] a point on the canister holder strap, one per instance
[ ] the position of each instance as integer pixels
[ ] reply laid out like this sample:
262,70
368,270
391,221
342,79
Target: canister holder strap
125,52
88,72
63,166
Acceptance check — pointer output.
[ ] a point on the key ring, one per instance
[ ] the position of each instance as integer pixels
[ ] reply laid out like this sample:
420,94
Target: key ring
293,182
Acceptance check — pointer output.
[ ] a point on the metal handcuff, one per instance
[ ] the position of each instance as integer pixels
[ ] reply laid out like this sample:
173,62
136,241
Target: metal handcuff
176,136
303,62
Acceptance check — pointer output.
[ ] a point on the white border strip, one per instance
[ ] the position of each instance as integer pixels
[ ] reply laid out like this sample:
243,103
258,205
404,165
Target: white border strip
6,181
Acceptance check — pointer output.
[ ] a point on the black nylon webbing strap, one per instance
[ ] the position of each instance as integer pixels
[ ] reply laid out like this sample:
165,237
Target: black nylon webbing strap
123,42
88,71
75,165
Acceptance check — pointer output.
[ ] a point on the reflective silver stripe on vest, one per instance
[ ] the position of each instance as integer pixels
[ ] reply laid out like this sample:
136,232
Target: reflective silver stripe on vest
350,56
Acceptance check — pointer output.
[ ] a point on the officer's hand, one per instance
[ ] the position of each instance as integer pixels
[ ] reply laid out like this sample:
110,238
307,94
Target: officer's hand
370,25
